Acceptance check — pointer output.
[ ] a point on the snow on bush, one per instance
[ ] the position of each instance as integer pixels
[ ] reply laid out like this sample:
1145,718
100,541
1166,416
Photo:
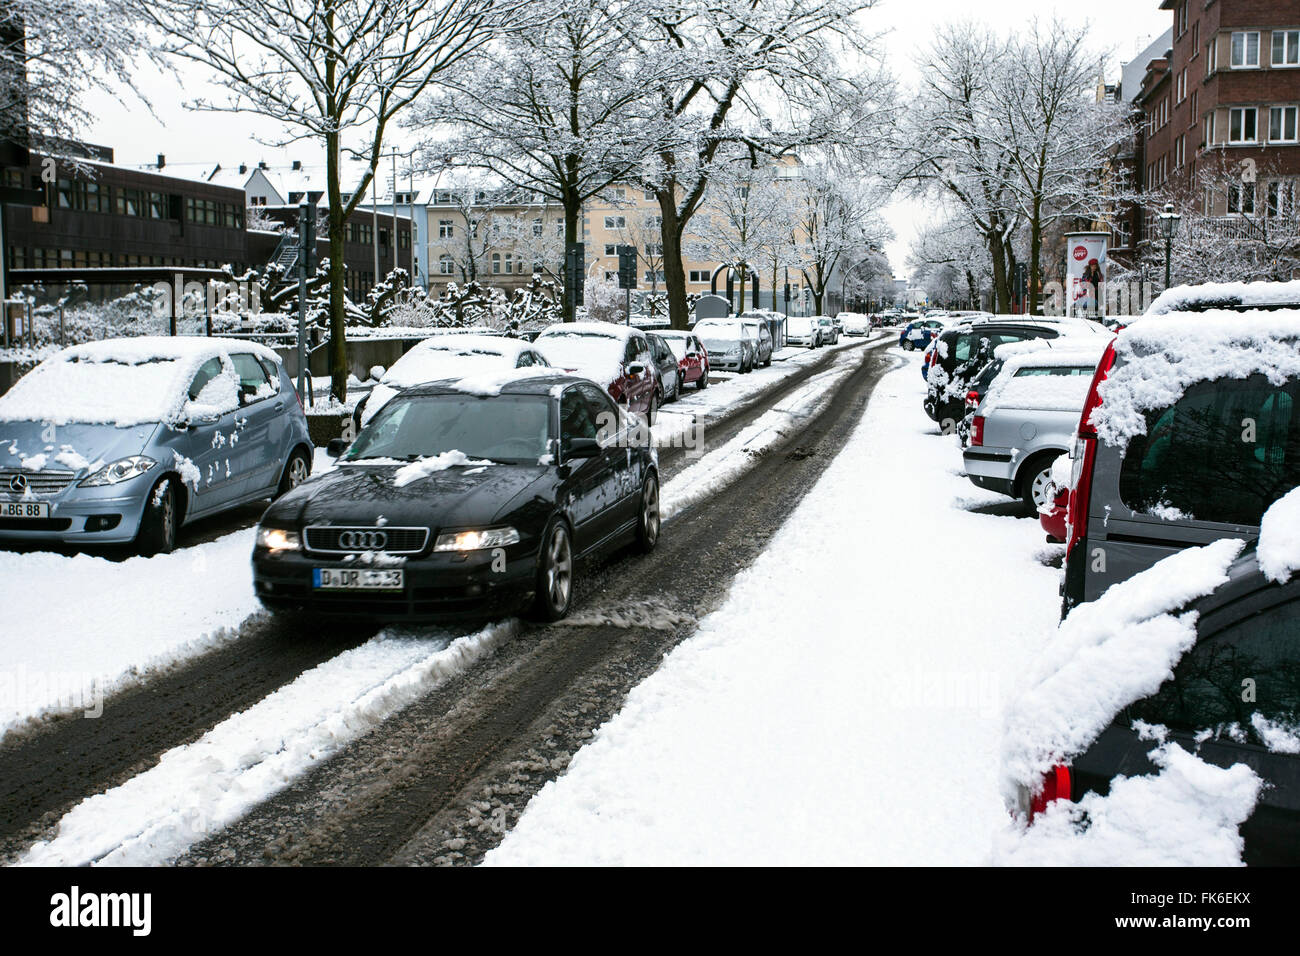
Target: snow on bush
1159,358
1188,814
1279,538
1107,654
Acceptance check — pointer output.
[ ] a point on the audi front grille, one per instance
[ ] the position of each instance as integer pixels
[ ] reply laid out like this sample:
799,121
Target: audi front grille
341,540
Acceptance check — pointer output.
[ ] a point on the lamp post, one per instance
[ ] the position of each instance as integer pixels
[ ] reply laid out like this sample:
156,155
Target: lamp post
1168,223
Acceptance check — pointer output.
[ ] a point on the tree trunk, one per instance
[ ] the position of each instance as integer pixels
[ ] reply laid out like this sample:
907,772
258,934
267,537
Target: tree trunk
674,270
572,211
338,350
1035,256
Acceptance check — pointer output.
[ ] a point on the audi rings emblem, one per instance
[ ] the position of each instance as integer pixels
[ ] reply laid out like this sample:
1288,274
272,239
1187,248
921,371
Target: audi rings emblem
363,540
18,483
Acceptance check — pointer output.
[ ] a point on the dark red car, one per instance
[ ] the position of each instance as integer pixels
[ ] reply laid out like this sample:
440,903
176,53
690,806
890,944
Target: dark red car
692,357
1053,521
615,357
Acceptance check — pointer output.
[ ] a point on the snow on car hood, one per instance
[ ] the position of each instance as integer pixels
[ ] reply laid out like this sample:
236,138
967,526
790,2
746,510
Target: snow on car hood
38,446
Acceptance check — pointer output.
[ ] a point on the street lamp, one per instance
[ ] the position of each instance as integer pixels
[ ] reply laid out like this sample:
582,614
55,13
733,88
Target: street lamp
1168,223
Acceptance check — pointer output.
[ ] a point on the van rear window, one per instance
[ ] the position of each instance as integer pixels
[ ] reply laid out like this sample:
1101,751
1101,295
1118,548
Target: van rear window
1224,452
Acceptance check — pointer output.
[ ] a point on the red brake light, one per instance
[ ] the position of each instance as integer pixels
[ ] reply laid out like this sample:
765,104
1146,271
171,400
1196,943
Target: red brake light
972,399
1056,786
977,430
1086,429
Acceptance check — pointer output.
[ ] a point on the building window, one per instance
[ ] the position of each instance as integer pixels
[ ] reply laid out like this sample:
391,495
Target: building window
537,228
1281,199
699,275
1241,199
1211,56
650,196
1182,18
654,275
1192,107
496,263
445,229
82,196
615,222
654,248
1180,88
445,265
611,249
1245,50
1242,124
1282,124
1286,48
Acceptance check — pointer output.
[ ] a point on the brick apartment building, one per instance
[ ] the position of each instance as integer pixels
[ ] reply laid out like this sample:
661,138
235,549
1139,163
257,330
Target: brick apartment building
1221,111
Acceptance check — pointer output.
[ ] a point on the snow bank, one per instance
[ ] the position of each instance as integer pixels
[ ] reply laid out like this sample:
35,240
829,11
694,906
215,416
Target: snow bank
59,654
1162,356
1107,654
1279,538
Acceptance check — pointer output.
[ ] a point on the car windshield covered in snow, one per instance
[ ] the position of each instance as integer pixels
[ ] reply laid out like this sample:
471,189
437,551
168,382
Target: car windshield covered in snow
507,428
96,391
678,342
715,333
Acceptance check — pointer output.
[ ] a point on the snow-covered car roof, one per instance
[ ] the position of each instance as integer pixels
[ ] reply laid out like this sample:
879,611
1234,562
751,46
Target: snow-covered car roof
1159,357
1227,295
598,329
120,382
454,356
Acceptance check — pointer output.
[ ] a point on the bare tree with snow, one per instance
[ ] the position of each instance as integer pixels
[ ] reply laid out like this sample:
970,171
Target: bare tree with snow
336,72
551,109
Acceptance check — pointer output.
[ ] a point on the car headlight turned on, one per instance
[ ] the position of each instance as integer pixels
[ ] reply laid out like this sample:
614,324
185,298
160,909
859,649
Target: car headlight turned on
278,539
121,470
476,540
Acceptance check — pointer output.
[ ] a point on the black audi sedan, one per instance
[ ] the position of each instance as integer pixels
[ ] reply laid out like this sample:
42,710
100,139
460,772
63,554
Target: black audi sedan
464,499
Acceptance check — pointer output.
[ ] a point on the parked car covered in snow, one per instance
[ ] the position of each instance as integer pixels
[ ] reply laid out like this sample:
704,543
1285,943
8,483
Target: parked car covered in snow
615,357
1190,430
830,331
464,499
962,351
1189,669
802,330
917,333
127,440
1027,421
854,323
692,357
670,379
444,357
731,344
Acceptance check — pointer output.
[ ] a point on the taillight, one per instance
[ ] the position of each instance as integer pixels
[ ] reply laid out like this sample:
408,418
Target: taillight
1086,428
977,430
972,399
1056,786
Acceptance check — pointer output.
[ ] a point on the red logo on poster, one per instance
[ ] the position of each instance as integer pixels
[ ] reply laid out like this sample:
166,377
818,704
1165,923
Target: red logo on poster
1080,253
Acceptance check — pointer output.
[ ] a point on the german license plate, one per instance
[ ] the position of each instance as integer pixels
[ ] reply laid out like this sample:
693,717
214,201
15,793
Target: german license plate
346,579
34,510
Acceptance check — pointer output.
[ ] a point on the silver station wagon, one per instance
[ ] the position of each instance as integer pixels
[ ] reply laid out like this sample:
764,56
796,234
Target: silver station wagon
126,440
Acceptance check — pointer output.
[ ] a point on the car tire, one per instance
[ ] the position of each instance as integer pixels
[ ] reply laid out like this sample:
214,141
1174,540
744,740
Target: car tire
157,534
649,520
555,573
654,407
296,470
908,346
1035,479
768,363
703,381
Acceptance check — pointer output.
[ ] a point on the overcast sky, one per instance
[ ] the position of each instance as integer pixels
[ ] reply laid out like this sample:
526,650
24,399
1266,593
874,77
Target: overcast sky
192,141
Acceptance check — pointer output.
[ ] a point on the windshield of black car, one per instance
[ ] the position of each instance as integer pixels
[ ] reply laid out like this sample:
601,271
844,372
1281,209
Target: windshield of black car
507,428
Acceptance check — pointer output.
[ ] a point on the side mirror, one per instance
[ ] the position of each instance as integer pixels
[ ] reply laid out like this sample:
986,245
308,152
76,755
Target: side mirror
336,447
636,368
581,448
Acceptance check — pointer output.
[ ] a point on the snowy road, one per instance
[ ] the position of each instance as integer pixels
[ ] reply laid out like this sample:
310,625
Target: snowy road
171,720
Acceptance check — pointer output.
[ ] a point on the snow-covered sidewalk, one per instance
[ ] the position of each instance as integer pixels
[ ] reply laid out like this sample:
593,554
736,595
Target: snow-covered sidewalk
844,706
